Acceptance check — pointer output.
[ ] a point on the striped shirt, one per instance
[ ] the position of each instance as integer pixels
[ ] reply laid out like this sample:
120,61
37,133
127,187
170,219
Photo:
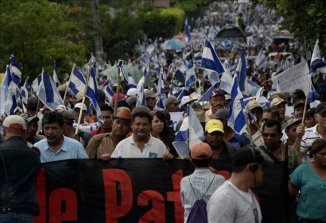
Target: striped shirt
308,138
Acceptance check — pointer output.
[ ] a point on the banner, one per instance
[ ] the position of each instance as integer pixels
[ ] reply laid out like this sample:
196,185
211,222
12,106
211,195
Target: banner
126,191
293,78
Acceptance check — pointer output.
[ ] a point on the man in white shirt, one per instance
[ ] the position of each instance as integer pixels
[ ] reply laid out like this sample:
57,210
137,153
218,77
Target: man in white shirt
234,202
141,144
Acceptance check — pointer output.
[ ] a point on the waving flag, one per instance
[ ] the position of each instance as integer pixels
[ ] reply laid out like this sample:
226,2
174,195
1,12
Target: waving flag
261,99
8,98
261,59
25,90
14,70
92,94
196,132
141,96
236,118
48,93
36,83
77,82
55,74
210,60
187,31
206,96
316,61
242,71
191,77
109,93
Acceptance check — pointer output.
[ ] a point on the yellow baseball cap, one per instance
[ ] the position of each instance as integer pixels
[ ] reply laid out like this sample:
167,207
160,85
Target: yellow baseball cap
214,125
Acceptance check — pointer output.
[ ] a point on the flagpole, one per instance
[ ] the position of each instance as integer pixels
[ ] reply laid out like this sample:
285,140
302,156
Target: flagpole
118,90
306,101
66,90
83,101
38,101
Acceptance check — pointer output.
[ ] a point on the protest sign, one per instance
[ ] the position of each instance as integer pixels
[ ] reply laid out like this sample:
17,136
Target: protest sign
128,190
293,78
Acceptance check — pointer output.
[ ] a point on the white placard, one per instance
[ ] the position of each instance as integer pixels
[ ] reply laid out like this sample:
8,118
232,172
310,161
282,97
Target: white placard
293,78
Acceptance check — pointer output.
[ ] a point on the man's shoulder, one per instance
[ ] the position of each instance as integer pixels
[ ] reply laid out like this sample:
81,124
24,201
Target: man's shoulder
72,142
41,144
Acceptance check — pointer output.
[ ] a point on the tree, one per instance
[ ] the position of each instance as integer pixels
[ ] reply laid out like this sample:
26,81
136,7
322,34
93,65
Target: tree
306,19
37,33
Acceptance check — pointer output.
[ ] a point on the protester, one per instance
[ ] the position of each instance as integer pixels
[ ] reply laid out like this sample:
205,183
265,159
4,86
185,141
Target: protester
19,170
292,140
230,136
70,131
309,179
299,109
234,201
214,134
309,135
280,103
217,101
202,183
106,125
255,125
32,106
273,149
160,129
32,135
141,144
171,104
56,146
310,120
150,98
102,145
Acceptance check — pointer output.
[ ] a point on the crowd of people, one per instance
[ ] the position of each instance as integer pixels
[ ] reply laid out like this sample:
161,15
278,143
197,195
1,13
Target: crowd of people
290,130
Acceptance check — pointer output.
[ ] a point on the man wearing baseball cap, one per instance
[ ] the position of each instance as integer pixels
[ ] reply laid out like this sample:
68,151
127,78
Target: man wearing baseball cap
217,101
18,201
102,146
150,98
171,104
202,183
214,133
311,134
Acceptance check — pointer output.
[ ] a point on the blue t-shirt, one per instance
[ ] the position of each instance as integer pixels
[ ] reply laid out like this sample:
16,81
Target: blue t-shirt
312,200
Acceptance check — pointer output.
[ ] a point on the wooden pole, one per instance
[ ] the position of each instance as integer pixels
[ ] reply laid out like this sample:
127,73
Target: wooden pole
306,101
118,91
66,90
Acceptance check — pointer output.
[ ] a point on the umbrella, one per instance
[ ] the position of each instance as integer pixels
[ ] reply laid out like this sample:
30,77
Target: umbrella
173,44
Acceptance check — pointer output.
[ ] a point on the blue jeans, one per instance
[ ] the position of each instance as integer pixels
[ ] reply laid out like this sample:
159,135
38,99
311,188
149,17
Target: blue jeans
16,218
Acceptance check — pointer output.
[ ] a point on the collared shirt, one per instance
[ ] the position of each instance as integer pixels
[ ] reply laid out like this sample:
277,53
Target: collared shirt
200,179
308,138
207,114
70,149
127,148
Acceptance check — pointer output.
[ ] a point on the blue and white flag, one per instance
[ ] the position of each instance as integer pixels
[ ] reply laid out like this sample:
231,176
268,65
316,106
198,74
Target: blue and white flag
210,60
77,81
92,94
131,82
141,96
187,31
26,89
250,87
8,96
242,71
236,118
261,59
36,83
191,77
109,93
55,74
316,61
16,75
48,93
196,132
226,82
261,99
206,96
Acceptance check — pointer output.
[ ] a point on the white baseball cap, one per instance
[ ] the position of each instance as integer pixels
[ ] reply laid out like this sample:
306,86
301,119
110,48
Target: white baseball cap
15,122
132,92
79,105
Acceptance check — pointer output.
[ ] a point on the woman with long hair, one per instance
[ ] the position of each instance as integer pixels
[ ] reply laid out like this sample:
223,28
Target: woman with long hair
162,131
310,179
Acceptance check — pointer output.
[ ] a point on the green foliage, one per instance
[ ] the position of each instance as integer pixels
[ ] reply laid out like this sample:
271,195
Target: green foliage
37,33
192,8
305,18
162,22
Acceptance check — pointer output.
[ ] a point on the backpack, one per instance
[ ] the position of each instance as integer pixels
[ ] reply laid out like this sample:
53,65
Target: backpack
198,213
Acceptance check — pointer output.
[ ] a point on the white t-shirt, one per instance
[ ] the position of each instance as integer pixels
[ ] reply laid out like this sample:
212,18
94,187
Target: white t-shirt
228,204
127,148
